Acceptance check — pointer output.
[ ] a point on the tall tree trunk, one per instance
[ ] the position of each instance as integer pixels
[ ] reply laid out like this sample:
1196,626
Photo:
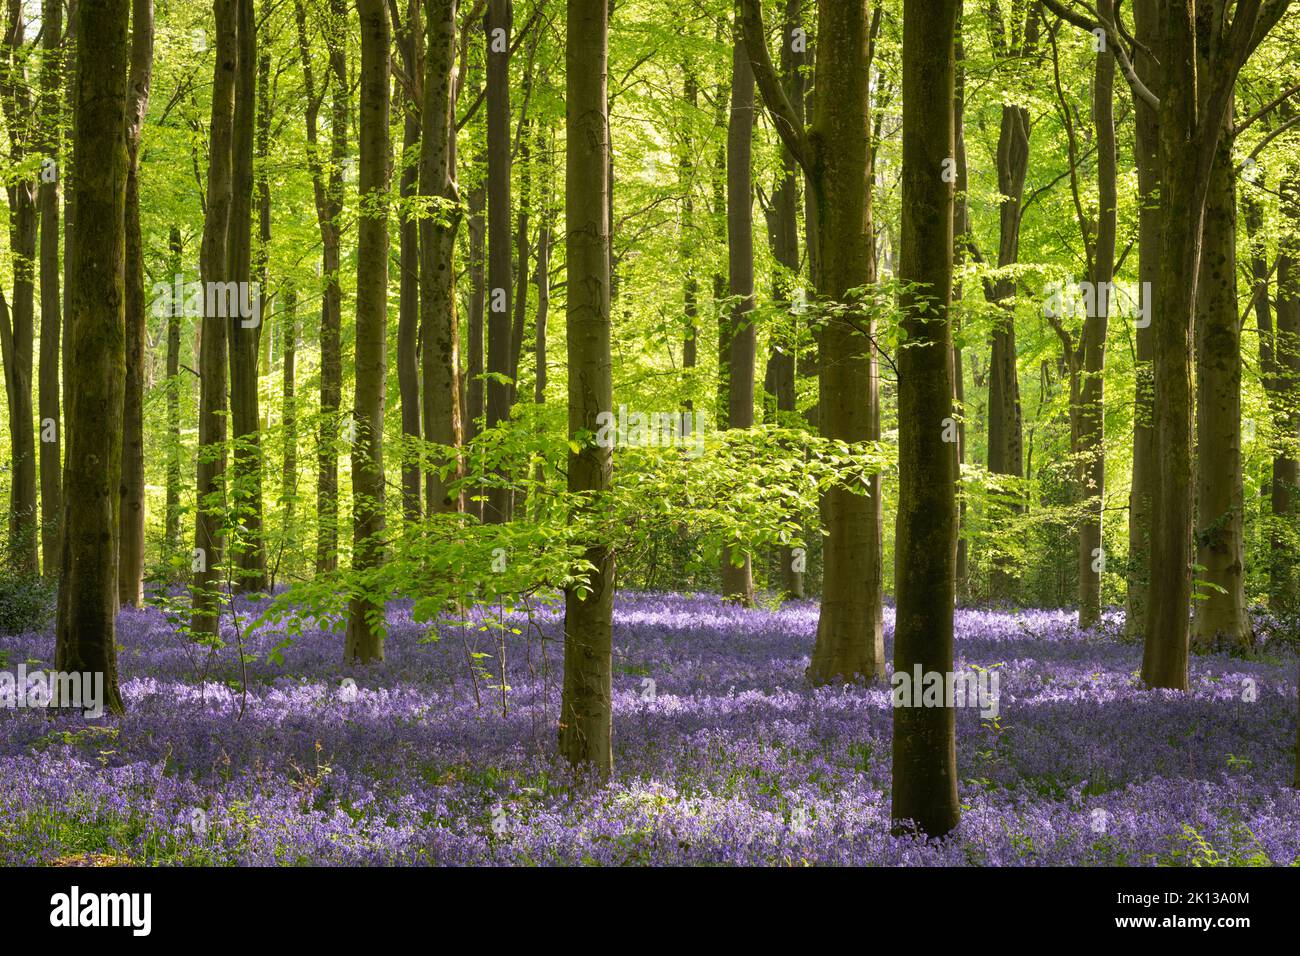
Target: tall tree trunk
783,236
924,749
213,266
1091,451
473,388
249,557
439,329
289,404
17,329
85,637
51,319
1149,29
835,155
585,733
737,579
408,309
130,565
365,638
961,228
1198,75
691,284
1221,618
172,510
1283,382
496,508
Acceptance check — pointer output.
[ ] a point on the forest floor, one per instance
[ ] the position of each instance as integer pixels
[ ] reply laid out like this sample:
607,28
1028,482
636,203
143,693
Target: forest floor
722,753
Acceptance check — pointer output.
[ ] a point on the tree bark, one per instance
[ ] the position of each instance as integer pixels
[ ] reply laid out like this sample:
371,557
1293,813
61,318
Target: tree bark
51,319
213,267
172,510
585,732
248,555
365,637
496,507
737,579
439,328
924,748
85,637
1221,618
409,36
130,574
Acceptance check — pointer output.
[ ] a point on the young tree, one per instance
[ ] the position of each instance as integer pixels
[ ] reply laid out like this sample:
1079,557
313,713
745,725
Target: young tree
365,638
585,730
925,743
85,636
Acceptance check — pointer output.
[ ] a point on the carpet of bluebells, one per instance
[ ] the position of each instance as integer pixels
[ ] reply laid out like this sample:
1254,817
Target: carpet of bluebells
726,758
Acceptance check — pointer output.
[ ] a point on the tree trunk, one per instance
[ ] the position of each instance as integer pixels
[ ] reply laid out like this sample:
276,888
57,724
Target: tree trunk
496,508
1221,619
1284,393
1148,25
408,309
850,642
924,748
1091,450
737,580
585,737
85,638
172,511
365,637
249,550
213,266
51,320
439,329
130,565
783,236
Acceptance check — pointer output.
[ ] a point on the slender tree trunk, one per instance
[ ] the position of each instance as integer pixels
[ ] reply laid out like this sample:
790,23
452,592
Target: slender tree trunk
172,511
924,749
586,704
249,556
289,405
365,638
51,320
1284,391
496,508
439,329
408,309
85,638
1149,29
783,235
213,266
1091,451
691,284
130,573
737,579
18,330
